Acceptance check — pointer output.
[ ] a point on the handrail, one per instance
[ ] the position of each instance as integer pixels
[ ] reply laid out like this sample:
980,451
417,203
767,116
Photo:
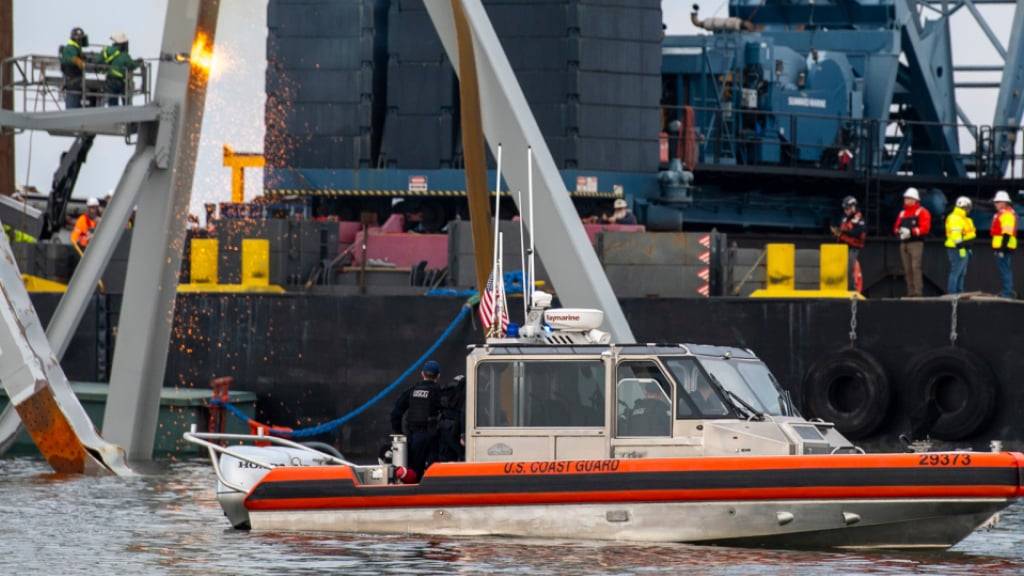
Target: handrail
39,80
723,132
203,439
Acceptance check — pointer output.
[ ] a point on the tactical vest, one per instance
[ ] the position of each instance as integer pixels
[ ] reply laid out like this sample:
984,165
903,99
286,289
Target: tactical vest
419,413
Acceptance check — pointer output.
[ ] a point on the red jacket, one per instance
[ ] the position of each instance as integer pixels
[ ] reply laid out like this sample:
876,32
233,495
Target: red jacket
852,230
917,218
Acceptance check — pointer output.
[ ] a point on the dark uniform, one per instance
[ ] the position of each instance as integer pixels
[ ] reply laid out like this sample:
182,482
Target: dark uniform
853,232
652,414
419,405
451,422
72,66
120,65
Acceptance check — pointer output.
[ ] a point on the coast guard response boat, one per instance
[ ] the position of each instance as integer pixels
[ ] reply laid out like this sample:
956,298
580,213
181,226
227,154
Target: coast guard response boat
569,435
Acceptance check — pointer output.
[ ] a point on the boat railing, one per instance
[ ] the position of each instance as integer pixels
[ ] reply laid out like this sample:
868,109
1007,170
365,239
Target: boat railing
209,440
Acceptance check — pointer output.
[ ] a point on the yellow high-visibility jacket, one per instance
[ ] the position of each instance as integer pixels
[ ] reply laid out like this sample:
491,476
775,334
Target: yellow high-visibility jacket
959,228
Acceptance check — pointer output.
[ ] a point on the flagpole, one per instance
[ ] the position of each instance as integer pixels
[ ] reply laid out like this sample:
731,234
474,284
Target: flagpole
497,209
499,288
529,200
522,254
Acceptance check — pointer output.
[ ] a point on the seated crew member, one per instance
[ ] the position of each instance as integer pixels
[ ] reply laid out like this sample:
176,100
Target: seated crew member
652,414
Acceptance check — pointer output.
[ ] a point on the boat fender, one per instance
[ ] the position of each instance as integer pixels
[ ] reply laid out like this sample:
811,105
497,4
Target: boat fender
849,388
952,393
406,475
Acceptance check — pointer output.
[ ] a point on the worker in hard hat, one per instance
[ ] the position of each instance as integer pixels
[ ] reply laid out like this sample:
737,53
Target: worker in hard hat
960,231
119,65
73,60
912,226
853,232
86,223
1004,241
419,408
620,214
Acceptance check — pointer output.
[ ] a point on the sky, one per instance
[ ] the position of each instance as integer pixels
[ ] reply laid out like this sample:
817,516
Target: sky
235,98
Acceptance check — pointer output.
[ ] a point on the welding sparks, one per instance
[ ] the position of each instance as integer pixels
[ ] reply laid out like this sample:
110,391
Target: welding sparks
202,55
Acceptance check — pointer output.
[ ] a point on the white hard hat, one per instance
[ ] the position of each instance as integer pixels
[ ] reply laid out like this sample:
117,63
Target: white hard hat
620,203
119,38
912,193
963,202
1002,196
92,203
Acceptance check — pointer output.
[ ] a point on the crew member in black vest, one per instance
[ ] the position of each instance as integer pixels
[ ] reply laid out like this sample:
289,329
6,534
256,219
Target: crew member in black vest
451,422
419,406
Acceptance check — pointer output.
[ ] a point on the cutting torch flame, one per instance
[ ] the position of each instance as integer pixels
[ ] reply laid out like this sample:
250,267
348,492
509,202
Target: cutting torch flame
202,56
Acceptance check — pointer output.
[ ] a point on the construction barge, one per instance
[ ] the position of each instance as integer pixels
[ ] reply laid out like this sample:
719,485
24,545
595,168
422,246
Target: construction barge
310,358
720,143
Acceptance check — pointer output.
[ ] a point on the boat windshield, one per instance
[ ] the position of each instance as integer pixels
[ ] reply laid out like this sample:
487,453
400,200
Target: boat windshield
751,382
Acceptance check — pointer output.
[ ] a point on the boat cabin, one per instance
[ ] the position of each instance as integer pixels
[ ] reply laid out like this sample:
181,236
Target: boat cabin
536,402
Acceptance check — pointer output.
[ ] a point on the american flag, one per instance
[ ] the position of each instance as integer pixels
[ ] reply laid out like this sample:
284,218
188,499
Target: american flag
492,295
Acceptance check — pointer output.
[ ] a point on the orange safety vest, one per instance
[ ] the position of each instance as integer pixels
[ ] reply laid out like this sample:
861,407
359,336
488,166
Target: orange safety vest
83,230
1004,223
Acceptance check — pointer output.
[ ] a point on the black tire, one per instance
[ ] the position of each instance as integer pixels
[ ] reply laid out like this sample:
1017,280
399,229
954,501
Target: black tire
955,389
851,390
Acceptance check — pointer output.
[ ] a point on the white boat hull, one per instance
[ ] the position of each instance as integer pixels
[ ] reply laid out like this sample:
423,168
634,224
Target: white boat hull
889,523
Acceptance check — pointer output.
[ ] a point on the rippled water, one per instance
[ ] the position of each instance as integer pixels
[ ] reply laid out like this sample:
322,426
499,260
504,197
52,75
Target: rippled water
169,522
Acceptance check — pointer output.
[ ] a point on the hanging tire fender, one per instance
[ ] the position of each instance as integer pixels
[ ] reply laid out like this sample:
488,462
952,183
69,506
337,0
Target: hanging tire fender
849,388
956,388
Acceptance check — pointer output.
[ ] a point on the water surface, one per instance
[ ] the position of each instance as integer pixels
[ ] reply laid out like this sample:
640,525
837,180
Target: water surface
168,522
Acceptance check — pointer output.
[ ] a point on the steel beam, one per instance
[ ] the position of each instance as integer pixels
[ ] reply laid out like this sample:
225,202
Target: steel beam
1010,101
978,68
477,195
38,388
562,242
971,128
983,24
6,96
147,311
81,121
75,301
961,2
934,97
88,272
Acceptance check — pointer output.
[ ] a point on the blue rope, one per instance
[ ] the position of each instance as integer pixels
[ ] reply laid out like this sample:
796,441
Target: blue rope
332,425
235,410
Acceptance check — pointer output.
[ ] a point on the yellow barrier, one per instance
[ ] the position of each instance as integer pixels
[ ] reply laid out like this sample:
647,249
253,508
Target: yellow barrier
223,288
780,273
833,265
255,262
204,261
255,268
36,284
780,267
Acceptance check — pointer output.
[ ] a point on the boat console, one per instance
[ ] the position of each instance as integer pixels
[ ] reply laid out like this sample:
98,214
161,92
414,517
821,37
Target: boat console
562,391
548,402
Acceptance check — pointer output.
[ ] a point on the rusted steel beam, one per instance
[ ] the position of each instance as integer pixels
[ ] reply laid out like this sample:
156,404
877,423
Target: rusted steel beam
473,149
